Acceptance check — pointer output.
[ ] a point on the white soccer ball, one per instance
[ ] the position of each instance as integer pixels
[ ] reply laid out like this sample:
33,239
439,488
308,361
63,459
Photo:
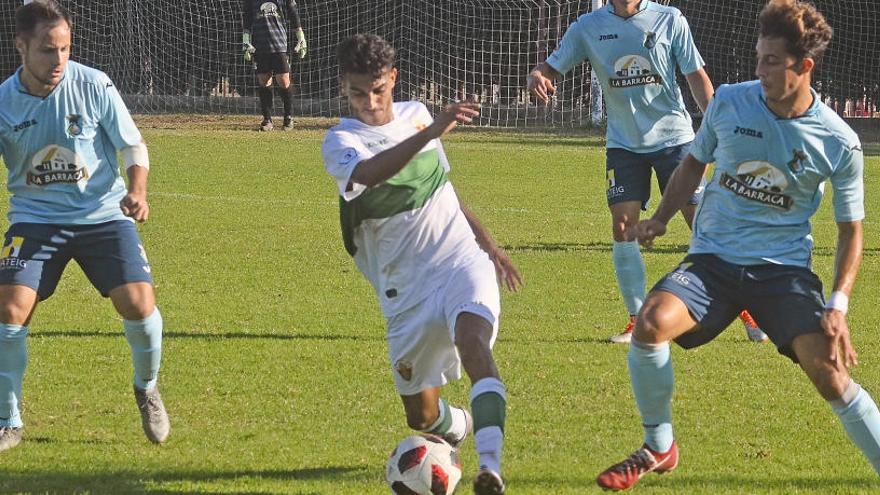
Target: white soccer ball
423,465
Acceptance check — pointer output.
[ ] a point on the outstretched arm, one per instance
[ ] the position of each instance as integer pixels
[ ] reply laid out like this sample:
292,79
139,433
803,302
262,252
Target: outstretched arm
539,82
846,266
504,267
386,164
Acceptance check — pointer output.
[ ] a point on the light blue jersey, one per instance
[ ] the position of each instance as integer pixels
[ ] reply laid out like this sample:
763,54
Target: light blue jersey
60,151
635,59
769,177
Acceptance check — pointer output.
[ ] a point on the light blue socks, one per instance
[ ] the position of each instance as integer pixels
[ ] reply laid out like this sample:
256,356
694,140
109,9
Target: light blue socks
861,420
145,339
630,270
650,370
13,360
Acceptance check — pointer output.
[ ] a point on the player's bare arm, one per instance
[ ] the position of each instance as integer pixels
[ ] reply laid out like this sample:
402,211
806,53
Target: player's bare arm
681,187
137,168
847,262
504,267
386,164
539,82
701,87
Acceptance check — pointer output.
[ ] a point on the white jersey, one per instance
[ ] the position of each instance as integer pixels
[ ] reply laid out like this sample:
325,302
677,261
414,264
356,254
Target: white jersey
408,232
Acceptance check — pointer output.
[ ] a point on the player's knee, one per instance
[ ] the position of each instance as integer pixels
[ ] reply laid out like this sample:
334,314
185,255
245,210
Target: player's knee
14,312
620,230
134,301
830,381
652,323
135,308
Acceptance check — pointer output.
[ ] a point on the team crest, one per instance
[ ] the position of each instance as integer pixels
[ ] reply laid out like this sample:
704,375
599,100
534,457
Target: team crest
404,369
796,164
269,9
650,40
74,127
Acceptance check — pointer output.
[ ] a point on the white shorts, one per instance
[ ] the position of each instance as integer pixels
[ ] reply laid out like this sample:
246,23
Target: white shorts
421,340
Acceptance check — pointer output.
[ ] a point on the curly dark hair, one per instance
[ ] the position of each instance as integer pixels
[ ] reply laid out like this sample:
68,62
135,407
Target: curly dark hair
365,54
804,29
29,15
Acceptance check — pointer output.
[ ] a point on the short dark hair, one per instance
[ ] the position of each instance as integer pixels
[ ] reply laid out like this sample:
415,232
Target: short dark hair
365,54
804,29
29,15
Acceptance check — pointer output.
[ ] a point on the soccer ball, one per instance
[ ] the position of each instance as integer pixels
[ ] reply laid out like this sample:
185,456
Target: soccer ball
423,465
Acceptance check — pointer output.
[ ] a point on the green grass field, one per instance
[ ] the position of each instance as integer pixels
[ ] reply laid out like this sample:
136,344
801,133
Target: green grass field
275,372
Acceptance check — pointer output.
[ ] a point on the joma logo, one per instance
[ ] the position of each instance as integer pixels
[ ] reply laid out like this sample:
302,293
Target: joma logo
24,125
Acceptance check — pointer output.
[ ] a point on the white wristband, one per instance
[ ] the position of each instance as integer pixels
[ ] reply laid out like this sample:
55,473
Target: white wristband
838,301
136,155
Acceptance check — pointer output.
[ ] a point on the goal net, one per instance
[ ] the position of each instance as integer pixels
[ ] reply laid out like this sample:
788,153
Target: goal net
184,56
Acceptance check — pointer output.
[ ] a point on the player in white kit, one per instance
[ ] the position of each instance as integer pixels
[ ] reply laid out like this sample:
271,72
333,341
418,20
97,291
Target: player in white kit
432,264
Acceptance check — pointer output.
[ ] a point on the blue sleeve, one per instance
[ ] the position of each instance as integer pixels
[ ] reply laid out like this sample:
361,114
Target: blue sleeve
703,148
683,47
571,50
116,121
848,185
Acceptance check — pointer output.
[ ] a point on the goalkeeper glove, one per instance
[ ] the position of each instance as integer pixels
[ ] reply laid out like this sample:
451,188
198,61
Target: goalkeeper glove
246,46
301,46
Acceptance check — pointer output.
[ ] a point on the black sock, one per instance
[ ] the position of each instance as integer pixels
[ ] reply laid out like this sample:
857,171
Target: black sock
265,102
285,93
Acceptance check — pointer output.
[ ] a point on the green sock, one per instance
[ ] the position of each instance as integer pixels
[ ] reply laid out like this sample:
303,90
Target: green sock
444,420
489,407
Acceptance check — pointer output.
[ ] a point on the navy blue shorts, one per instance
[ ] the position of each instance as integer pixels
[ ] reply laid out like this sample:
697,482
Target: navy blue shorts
271,63
110,254
628,174
786,301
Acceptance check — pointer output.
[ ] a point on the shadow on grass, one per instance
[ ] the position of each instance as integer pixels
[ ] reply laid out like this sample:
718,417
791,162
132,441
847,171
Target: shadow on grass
720,484
549,247
211,336
85,441
586,246
134,482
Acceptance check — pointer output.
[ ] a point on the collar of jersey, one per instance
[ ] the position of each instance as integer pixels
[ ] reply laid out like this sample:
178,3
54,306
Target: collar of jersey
642,6
21,89
811,110
363,124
